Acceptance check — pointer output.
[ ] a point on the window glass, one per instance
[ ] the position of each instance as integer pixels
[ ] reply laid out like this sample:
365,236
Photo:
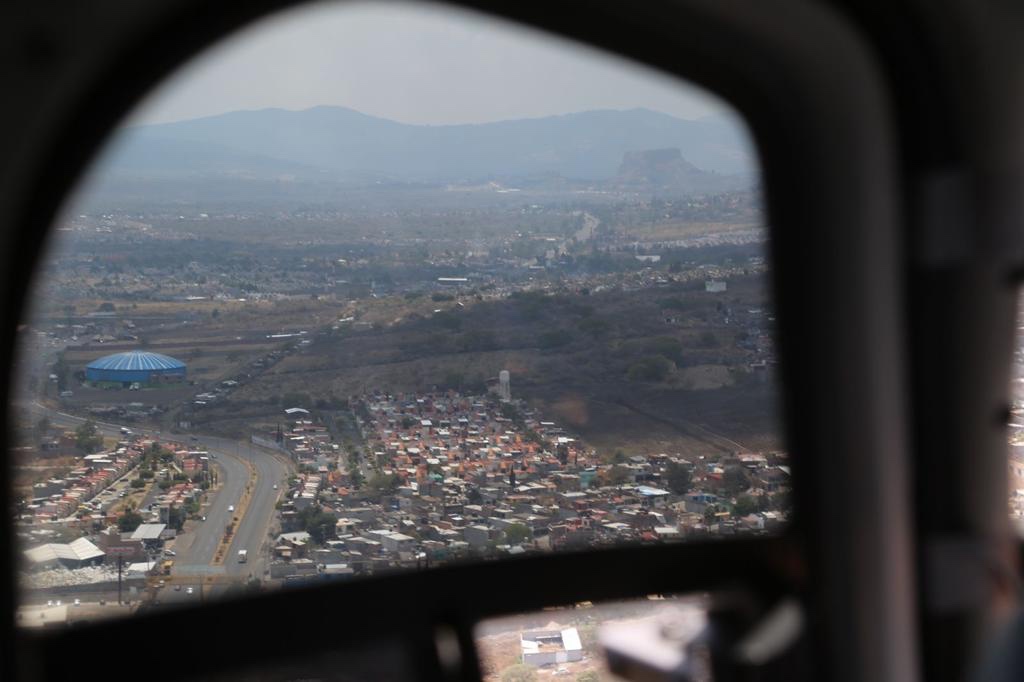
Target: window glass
578,642
377,287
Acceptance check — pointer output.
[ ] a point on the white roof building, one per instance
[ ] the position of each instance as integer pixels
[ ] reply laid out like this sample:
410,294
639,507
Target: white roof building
73,554
149,531
545,647
139,568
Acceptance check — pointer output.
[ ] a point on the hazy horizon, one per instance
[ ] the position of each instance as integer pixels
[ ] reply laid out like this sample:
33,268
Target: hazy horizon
417,64
708,116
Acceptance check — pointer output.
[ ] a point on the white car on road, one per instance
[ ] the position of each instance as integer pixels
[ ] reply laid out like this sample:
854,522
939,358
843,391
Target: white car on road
231,507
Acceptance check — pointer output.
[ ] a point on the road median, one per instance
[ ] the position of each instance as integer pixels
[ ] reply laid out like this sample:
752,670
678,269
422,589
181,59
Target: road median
220,556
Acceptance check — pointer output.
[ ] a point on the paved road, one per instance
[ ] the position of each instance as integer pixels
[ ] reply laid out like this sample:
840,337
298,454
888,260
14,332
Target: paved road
251,534
66,420
197,557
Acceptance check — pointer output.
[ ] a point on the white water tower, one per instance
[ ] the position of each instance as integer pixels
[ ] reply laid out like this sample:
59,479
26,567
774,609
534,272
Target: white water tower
504,386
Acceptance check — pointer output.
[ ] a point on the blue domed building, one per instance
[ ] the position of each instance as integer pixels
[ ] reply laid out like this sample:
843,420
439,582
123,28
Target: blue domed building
135,366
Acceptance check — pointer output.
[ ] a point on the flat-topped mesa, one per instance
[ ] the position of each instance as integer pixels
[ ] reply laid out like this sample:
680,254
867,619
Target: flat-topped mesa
657,167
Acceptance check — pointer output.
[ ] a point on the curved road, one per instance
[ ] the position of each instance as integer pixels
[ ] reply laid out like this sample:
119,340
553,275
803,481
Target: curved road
234,459
251,533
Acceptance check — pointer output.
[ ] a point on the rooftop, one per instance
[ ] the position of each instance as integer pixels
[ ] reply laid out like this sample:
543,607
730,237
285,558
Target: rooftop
135,360
79,550
149,531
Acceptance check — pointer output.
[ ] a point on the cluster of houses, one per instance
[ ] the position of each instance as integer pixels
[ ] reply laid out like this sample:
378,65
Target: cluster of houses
137,549
59,498
84,499
305,438
306,441
456,476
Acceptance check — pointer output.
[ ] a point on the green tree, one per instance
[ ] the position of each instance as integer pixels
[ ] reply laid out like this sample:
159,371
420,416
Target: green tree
129,521
735,479
667,346
383,484
87,439
520,672
60,368
678,478
42,428
517,534
746,504
319,524
777,501
651,368
510,411
175,517
356,478
617,475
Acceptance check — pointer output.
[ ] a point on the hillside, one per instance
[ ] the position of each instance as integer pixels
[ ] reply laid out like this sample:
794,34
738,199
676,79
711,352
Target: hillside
589,361
665,170
342,144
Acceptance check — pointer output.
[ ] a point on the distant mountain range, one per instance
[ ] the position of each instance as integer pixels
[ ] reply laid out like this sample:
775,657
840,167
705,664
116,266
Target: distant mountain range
336,144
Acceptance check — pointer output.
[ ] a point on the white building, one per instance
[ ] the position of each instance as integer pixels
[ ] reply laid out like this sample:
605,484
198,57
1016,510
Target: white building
504,385
398,542
545,647
76,554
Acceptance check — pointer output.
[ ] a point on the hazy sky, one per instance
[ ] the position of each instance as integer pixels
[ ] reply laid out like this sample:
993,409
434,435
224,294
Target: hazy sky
415,64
